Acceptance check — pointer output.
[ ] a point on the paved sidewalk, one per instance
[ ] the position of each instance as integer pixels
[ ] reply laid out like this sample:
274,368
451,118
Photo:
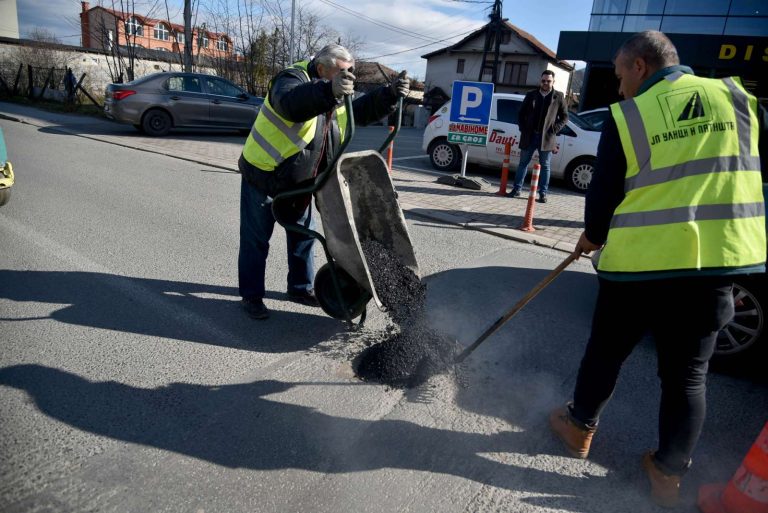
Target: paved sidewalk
558,223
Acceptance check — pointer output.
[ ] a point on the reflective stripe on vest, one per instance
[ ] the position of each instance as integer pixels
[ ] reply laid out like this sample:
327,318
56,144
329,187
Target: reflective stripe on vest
273,138
693,187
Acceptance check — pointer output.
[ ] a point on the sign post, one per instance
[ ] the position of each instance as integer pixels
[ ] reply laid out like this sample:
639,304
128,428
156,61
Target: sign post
468,122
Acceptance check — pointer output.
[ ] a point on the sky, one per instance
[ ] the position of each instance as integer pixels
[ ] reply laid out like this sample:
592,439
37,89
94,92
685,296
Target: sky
394,32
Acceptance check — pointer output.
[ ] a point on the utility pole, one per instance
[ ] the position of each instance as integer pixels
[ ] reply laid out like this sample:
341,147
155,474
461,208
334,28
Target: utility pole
291,44
492,37
188,36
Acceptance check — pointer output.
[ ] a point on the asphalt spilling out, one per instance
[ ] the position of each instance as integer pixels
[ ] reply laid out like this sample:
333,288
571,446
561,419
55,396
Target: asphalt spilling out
409,352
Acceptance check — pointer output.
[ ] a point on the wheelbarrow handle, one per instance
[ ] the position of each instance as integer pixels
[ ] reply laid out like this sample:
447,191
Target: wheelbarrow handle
398,122
518,306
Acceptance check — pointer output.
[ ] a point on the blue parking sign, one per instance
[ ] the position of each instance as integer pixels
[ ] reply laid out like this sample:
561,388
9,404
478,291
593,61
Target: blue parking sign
471,102
470,113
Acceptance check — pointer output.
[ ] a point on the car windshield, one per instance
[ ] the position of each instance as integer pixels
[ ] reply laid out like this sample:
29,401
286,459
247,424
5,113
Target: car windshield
582,123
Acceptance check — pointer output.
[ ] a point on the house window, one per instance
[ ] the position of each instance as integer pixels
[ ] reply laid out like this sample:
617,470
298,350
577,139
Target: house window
161,32
180,37
515,73
133,27
222,44
202,40
460,66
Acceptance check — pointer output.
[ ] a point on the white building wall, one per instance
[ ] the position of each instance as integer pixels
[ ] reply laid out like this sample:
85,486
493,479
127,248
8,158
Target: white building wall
562,77
9,19
94,65
441,68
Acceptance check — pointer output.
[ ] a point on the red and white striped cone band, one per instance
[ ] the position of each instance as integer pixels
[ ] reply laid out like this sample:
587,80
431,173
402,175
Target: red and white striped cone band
535,179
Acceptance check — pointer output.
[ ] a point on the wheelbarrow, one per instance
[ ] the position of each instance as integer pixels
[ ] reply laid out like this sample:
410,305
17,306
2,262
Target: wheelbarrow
357,202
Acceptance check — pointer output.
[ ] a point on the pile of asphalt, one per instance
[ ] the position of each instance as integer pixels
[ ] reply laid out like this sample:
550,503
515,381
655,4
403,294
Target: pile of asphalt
411,353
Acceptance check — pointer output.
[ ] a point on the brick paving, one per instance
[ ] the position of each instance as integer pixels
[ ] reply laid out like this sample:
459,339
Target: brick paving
558,223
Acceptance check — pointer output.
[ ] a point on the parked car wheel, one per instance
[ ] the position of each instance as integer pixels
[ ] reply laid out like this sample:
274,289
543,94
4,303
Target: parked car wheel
444,155
5,195
746,331
579,173
156,122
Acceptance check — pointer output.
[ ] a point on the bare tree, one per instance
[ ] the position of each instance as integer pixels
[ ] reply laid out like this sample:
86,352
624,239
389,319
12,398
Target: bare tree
260,32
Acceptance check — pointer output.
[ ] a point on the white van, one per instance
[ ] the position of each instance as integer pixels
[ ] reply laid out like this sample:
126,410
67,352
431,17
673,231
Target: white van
573,162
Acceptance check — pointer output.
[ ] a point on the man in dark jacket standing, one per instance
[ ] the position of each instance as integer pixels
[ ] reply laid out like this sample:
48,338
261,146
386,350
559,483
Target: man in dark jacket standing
293,138
541,117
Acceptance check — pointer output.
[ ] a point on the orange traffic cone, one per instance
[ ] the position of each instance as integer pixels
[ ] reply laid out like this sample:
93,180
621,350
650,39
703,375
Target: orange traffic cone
747,491
527,225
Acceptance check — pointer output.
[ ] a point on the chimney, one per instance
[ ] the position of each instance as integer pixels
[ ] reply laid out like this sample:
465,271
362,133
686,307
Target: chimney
85,25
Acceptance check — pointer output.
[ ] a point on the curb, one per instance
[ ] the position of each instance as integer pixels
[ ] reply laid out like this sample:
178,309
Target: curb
10,118
497,231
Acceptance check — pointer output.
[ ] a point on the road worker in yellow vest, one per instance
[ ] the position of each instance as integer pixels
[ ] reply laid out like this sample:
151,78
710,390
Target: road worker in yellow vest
300,123
676,204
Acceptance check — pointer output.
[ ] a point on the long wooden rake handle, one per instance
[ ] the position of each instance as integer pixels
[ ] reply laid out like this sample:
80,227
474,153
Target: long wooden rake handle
518,306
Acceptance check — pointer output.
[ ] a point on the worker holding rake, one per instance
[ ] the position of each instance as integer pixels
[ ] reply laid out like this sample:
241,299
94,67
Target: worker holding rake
676,204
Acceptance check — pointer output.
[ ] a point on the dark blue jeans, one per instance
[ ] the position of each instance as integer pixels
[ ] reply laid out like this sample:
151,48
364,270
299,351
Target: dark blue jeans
526,156
256,226
684,315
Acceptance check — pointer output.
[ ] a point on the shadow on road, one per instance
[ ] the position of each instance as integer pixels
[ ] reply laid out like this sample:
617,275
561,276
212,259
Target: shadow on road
238,426
192,312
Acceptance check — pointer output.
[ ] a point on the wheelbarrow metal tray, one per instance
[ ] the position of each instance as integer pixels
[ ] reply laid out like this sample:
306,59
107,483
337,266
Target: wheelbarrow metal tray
358,203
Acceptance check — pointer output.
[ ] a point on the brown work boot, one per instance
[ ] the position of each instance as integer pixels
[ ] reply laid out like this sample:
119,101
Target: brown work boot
665,489
576,437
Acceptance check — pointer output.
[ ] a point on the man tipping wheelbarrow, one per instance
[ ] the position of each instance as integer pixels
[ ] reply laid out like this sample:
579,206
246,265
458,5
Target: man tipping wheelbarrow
296,134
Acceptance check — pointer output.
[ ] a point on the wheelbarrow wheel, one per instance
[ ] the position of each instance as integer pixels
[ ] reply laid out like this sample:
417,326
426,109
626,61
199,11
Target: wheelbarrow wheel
355,297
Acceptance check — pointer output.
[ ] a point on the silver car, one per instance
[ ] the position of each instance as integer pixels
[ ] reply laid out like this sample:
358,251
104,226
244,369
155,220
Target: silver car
159,102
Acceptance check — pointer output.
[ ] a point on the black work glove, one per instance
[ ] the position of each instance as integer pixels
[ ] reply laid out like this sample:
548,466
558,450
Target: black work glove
401,86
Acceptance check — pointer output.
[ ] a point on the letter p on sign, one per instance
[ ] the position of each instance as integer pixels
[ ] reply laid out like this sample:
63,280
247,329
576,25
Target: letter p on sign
471,97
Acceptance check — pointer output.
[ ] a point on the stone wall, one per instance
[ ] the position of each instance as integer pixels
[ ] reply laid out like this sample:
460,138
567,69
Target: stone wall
94,63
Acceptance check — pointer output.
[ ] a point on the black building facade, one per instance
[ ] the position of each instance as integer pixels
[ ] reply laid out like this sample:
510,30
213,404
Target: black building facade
717,38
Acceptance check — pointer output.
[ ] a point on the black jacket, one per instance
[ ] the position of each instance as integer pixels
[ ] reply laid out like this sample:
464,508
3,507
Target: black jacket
554,120
298,100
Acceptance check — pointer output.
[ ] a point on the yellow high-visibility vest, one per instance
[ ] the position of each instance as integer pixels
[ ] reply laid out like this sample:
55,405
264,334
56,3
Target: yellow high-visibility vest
274,139
693,187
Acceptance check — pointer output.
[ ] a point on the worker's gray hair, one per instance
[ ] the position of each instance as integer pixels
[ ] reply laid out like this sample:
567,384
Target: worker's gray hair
653,47
330,54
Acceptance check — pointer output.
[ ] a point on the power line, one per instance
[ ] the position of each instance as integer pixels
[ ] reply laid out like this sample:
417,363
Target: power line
382,24
459,25
422,46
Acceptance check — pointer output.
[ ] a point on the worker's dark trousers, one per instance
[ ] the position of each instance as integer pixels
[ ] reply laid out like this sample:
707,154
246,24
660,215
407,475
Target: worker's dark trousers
256,225
684,316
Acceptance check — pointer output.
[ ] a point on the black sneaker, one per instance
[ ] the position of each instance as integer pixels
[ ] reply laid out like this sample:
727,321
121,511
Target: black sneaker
304,297
542,198
515,193
255,309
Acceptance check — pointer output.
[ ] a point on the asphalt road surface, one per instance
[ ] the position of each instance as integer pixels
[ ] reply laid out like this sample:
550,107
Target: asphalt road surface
131,381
